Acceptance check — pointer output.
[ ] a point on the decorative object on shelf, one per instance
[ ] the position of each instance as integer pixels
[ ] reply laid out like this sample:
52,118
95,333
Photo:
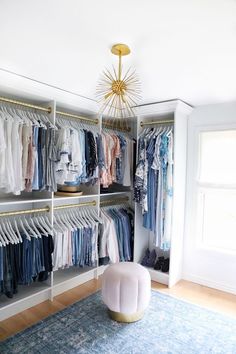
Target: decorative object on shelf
119,93
70,190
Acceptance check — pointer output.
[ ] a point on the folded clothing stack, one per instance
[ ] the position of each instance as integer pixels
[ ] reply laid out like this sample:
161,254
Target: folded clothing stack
151,260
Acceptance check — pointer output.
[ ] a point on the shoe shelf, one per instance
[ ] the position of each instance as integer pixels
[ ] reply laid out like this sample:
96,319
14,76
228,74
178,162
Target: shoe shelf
27,296
158,276
66,279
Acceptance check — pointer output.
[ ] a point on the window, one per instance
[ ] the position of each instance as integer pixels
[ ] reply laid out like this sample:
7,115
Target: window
217,189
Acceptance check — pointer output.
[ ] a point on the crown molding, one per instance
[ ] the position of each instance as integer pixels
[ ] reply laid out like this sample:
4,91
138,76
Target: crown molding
163,107
16,86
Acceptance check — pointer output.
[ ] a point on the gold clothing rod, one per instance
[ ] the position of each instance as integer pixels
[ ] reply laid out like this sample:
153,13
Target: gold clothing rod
48,110
25,104
70,115
157,122
115,201
66,206
46,209
111,126
23,212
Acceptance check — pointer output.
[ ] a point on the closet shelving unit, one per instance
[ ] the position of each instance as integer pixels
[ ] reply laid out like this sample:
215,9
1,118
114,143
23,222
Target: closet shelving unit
150,115
62,280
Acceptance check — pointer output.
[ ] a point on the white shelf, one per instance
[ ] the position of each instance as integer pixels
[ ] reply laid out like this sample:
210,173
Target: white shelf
24,291
58,198
158,276
27,297
113,193
12,201
66,279
63,275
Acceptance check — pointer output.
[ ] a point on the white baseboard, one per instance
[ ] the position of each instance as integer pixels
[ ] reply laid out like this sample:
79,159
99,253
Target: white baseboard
24,304
209,283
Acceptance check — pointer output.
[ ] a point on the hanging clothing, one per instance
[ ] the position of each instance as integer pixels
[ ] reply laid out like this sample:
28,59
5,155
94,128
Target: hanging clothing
116,235
115,159
76,156
27,155
153,185
75,242
24,263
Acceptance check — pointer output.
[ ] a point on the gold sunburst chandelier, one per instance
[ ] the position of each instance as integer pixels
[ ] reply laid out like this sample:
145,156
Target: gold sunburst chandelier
118,93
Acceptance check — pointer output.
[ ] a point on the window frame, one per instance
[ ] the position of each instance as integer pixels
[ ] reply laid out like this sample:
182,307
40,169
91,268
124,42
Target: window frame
201,188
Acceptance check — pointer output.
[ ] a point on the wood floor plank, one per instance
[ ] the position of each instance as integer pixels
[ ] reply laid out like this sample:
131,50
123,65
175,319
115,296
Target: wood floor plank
198,294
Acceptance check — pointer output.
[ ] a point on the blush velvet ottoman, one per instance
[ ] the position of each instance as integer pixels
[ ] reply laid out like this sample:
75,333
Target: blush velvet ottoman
126,290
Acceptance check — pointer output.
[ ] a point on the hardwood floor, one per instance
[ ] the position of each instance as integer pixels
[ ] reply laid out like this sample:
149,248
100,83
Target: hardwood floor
197,294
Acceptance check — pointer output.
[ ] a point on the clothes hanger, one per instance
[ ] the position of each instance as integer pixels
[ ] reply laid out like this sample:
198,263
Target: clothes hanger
31,223
57,225
3,239
61,222
73,218
8,234
77,219
23,229
32,232
40,226
17,115
69,225
46,223
36,119
31,116
81,219
28,121
95,215
9,227
87,217
70,221
78,223
12,114
58,123
6,114
46,120
17,230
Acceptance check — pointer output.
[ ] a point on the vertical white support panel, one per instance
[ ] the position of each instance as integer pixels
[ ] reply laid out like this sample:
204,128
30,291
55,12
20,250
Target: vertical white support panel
141,238
52,117
96,272
178,212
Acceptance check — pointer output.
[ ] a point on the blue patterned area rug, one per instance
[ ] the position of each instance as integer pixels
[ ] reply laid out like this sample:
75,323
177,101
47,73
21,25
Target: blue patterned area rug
169,326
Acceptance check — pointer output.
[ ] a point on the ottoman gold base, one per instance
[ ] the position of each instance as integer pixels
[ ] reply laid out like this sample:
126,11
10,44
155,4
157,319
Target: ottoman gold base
127,318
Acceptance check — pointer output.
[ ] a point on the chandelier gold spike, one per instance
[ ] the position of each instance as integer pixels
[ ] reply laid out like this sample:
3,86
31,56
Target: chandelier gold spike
118,94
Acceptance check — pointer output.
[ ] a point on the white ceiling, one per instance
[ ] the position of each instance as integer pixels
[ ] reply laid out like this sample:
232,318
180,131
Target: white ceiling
181,48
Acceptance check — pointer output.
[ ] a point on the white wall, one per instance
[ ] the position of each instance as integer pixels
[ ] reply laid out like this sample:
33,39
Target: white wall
215,269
